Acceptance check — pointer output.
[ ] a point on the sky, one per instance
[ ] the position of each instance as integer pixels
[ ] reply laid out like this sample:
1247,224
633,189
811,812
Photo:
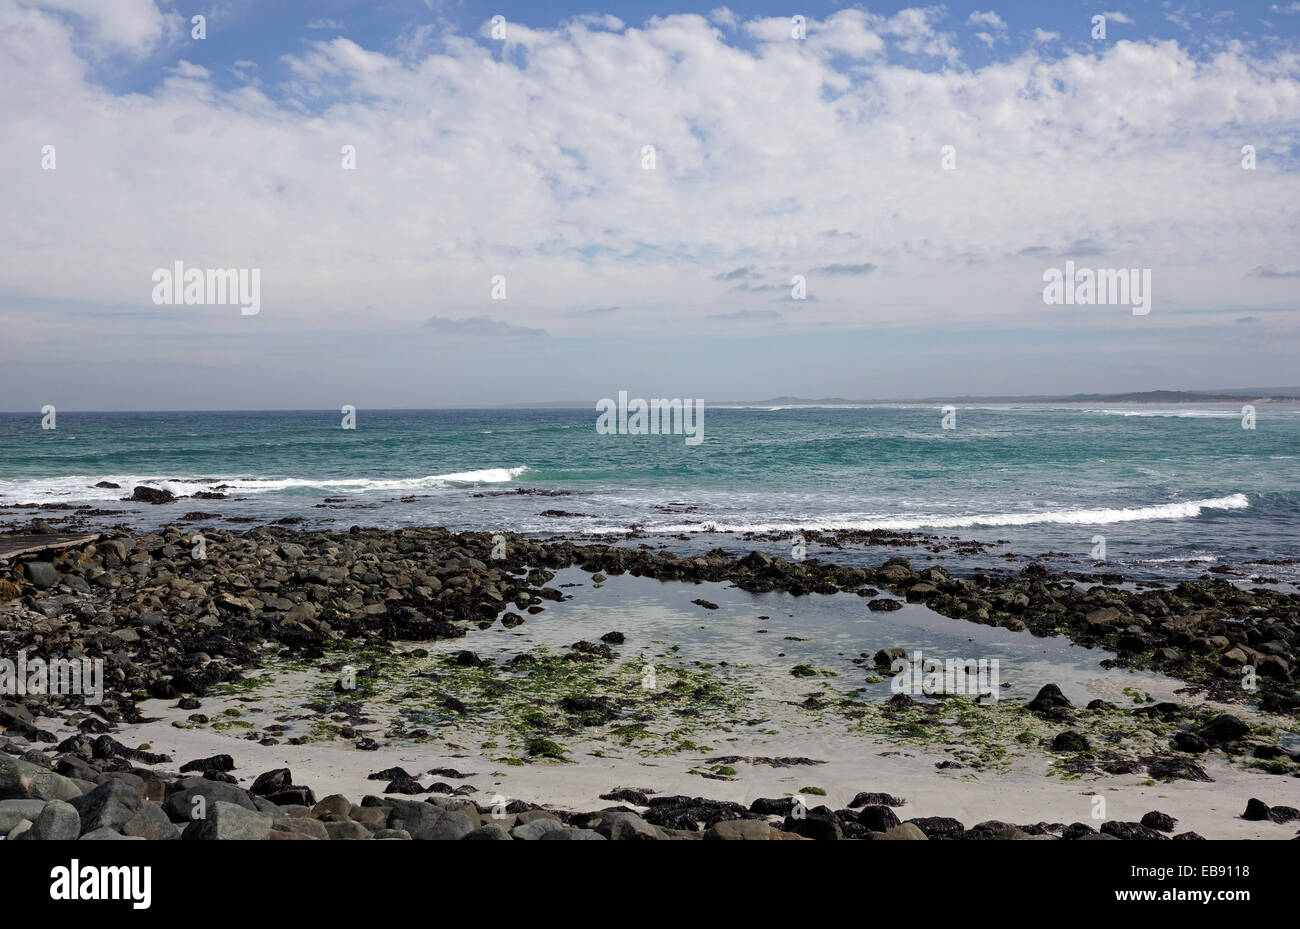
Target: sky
453,204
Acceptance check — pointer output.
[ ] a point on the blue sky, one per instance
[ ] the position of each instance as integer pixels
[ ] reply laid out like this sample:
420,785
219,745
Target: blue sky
263,31
524,160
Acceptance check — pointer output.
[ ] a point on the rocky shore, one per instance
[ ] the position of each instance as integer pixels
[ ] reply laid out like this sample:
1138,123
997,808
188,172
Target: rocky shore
175,615
84,802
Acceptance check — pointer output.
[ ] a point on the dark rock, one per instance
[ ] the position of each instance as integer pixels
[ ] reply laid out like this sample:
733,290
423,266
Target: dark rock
1070,741
1224,728
772,806
214,763
875,799
1130,831
1049,700
1190,742
627,795
271,782
151,495
1256,810
1161,822
110,805
1283,814
821,828
878,818
41,573
938,827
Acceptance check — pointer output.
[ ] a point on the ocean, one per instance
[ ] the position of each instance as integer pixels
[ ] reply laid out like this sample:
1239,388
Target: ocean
1171,491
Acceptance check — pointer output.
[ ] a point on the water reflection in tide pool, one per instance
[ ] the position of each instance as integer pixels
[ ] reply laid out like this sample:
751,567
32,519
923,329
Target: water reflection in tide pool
773,632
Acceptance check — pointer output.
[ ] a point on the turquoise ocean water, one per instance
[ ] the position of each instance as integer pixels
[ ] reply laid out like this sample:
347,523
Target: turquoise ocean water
1174,490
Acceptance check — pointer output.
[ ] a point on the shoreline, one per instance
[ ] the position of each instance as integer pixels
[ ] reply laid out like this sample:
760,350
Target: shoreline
274,598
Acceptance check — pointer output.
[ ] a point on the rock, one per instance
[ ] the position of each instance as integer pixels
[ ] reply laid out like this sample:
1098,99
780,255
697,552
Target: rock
229,822
347,831
1283,814
1163,768
886,657
895,571
863,798
1274,666
1105,616
1224,728
99,835
183,805
313,828
820,828
1161,822
938,826
22,780
1049,698
492,832
151,495
426,822
883,605
878,818
904,832
1268,752
572,835
334,803
743,830
215,763
1070,741
12,812
531,831
231,602
620,826
1189,742
111,805
772,806
58,821
1077,831
293,796
1130,831
627,795
151,822
271,782
41,574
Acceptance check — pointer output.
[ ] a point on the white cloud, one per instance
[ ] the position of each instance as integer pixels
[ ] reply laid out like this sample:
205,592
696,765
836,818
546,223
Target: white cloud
724,17
324,24
1042,35
990,19
135,27
785,158
1118,17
